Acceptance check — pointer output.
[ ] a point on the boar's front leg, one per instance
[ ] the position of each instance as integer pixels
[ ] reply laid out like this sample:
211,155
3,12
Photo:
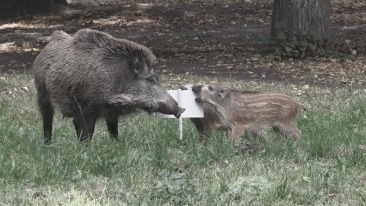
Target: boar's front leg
112,125
84,126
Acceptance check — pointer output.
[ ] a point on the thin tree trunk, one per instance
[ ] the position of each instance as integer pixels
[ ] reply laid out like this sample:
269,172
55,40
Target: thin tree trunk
11,8
301,17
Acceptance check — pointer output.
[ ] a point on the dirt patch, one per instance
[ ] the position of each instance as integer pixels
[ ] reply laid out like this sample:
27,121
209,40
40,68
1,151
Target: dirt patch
201,38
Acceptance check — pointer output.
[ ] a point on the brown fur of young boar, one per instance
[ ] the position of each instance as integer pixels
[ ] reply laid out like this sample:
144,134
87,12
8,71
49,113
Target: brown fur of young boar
91,75
238,111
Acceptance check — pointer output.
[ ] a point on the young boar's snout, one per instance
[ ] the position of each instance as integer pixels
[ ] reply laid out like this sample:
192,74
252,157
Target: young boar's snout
199,100
197,88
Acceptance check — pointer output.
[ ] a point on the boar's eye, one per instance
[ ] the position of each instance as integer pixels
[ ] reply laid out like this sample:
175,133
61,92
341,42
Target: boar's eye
152,79
210,88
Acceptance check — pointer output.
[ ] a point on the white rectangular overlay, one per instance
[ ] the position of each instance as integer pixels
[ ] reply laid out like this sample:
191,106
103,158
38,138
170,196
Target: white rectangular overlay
186,100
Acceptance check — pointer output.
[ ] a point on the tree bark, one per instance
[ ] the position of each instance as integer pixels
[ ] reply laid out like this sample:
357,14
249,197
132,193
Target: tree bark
11,8
301,17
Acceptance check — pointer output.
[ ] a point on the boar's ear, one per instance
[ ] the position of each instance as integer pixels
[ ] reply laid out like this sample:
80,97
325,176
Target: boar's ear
136,66
139,67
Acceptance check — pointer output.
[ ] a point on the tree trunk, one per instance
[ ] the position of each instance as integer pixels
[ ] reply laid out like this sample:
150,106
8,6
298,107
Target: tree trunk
295,18
11,8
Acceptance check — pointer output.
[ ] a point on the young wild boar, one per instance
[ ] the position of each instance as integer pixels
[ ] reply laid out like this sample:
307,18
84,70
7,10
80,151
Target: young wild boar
239,111
91,75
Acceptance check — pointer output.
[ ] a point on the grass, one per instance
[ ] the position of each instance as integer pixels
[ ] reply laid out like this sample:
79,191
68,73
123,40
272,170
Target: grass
149,165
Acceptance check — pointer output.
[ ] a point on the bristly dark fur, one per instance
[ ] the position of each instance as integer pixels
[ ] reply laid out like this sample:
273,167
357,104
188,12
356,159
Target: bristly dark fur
85,75
89,40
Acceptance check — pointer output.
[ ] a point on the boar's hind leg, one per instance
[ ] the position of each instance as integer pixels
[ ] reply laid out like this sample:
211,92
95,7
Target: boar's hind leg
46,108
84,126
112,125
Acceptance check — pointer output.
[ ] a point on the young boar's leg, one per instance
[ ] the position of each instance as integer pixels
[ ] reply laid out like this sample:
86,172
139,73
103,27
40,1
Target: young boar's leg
289,130
84,126
203,129
200,125
47,116
236,132
112,125
260,132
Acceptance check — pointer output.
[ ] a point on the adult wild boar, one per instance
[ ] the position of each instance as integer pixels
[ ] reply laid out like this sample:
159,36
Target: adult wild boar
91,75
239,111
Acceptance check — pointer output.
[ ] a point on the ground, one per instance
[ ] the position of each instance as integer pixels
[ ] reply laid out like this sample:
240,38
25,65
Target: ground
195,37
150,165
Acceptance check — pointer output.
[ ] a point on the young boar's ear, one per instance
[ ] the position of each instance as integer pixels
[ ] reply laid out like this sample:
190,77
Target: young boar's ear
222,94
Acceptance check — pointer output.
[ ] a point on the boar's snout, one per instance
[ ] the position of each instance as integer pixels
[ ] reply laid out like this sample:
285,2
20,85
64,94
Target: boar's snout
181,110
172,108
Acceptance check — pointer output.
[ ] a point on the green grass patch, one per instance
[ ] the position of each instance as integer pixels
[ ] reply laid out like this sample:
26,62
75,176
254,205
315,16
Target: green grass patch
149,165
